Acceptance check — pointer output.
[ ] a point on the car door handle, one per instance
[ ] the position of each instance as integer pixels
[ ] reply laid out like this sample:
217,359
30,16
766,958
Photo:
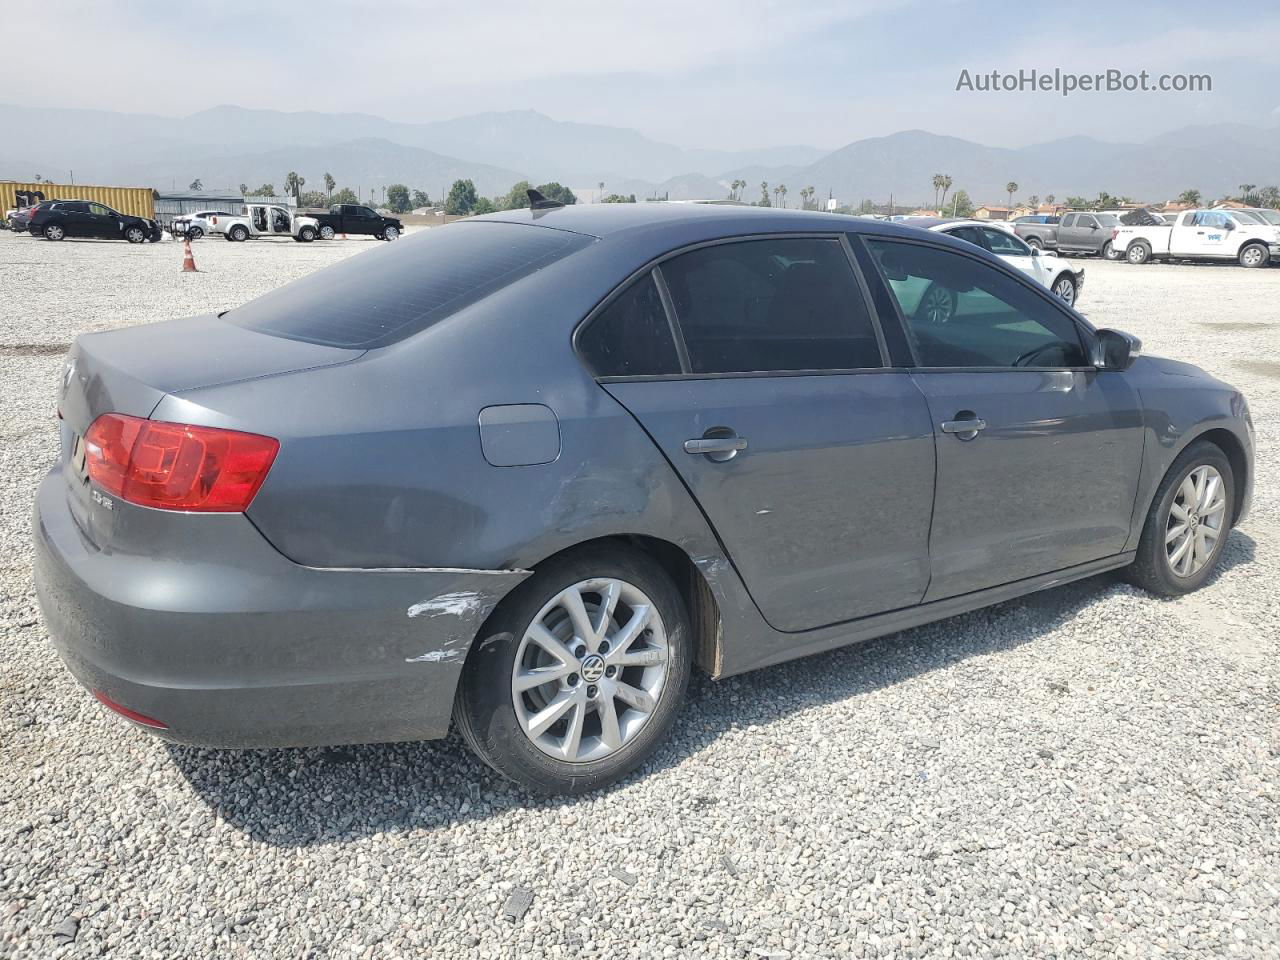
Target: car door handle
963,426
705,445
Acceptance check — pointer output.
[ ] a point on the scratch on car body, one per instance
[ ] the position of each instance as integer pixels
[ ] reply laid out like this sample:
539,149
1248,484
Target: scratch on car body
461,603
435,656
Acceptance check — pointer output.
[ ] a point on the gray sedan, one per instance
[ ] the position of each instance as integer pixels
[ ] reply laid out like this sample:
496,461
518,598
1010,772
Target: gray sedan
526,471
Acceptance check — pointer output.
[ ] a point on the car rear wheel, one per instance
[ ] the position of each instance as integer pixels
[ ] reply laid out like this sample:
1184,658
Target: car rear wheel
1188,523
579,674
326,232
1035,243
135,234
54,231
390,233
1064,288
1254,255
1138,252
239,233
195,233
1109,252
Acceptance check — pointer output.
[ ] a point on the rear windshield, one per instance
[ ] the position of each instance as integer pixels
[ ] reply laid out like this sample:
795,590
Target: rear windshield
385,295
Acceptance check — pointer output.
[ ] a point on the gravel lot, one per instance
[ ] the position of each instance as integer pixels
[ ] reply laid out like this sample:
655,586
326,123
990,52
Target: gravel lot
1088,772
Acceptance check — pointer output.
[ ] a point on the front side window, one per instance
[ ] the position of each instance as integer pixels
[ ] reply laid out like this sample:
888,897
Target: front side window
631,337
971,234
100,210
1086,222
961,312
771,305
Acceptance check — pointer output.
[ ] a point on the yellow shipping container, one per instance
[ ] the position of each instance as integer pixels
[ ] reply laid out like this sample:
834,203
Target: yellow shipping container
138,201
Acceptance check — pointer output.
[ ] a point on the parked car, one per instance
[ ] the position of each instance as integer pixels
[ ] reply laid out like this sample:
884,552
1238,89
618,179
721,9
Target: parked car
19,218
1046,268
264,220
1039,231
193,226
526,470
1266,215
1202,235
58,219
1089,233
353,218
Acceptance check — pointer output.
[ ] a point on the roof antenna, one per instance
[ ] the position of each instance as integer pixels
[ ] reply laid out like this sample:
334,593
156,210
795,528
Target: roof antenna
538,202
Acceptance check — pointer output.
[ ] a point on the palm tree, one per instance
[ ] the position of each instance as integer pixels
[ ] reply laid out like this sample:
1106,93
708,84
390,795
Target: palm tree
601,186
244,189
1246,191
1189,198
945,181
329,184
1049,198
739,186
1033,202
777,202
196,184
938,180
1011,188
782,187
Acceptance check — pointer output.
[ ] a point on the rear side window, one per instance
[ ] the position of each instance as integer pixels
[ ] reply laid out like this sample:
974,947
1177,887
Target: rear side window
394,292
631,337
771,305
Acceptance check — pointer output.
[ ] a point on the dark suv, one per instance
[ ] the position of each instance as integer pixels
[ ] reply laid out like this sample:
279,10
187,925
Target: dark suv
85,218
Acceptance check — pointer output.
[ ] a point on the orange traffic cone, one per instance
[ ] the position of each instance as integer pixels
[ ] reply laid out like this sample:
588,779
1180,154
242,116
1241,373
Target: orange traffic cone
188,261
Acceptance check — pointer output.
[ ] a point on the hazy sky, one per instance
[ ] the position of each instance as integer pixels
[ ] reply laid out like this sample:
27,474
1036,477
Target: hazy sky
699,73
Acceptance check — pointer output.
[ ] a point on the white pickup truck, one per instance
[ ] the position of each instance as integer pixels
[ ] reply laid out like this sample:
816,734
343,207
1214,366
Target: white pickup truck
265,220
1201,235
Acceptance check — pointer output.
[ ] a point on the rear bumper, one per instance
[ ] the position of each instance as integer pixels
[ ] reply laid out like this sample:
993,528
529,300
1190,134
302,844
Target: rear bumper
232,645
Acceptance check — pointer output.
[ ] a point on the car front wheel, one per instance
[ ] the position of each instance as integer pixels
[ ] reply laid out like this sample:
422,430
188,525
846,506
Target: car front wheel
579,674
1254,255
390,233
1188,523
135,235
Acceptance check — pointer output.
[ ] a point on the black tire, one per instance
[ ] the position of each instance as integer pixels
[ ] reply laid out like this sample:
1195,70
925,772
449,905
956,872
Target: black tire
389,233
1151,569
326,232
1035,243
1254,255
484,711
1066,289
1139,252
135,234
239,233
1109,252
54,231
307,234
195,233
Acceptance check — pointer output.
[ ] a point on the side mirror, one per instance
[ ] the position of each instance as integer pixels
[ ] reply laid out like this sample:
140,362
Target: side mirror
1229,226
1115,350
1035,251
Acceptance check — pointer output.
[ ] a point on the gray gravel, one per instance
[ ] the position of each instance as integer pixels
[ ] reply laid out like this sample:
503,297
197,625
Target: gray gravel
1086,773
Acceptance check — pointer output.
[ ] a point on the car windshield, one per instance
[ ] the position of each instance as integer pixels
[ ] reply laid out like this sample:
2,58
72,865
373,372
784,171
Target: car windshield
383,297
1268,216
1247,216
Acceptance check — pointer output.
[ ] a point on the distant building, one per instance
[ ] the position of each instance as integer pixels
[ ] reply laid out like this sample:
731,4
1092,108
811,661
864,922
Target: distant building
990,212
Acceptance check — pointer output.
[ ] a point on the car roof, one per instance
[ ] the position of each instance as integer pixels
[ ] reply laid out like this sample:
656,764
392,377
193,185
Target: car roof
604,220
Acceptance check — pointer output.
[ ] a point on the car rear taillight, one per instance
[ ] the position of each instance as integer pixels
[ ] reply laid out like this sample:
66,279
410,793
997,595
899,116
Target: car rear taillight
177,466
1115,232
128,714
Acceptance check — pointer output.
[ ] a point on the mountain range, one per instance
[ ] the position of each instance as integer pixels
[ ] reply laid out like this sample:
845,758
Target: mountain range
225,146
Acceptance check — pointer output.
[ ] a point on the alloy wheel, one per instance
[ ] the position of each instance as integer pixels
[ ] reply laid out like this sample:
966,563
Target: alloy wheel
590,670
1196,521
1066,290
1252,256
938,305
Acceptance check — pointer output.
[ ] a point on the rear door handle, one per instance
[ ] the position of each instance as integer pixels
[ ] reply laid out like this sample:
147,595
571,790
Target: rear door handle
715,445
963,426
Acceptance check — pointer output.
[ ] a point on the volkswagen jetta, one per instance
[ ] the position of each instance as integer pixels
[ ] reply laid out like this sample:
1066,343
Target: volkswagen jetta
527,470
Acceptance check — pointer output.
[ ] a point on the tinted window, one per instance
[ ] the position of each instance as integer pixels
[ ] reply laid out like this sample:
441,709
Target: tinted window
1069,220
396,291
787,304
631,337
72,207
963,313
1086,222
971,234
1005,244
100,210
